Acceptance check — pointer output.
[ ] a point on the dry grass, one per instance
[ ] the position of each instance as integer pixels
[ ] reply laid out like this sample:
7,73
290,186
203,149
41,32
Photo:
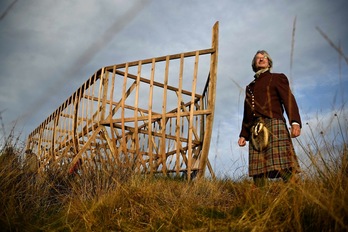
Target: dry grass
101,202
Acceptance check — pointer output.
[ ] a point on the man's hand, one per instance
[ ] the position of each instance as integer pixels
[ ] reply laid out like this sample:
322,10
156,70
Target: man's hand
295,130
241,141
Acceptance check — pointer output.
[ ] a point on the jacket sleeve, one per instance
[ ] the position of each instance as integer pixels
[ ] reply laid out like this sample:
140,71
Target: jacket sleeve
247,120
288,100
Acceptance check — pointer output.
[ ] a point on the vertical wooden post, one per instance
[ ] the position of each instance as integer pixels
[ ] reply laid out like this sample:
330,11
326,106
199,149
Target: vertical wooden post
54,130
211,100
92,103
150,144
192,107
104,79
178,116
136,112
113,140
163,119
124,140
101,109
75,102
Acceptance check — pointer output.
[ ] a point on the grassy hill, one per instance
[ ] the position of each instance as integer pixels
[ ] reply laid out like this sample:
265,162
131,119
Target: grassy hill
100,202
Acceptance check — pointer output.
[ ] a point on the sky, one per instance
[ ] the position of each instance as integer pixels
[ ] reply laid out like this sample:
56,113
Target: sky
49,48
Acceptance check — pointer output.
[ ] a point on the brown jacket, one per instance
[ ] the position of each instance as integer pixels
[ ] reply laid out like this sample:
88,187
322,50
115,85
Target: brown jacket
268,96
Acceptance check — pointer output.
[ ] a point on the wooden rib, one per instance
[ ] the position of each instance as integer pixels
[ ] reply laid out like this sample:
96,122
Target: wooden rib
113,145
55,131
101,79
135,135
156,117
89,109
189,164
211,100
164,58
74,124
164,110
81,109
123,142
178,116
104,93
64,126
150,139
92,112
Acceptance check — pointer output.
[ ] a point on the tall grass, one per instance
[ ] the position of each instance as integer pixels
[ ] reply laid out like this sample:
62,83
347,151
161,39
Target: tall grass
55,201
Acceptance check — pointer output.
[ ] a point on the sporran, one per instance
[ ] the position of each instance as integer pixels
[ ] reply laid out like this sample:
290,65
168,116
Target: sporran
259,135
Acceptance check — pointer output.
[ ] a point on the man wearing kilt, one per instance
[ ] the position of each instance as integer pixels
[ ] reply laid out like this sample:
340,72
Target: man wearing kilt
271,152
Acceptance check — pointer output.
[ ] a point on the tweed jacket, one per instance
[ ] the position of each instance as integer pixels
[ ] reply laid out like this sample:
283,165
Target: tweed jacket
268,96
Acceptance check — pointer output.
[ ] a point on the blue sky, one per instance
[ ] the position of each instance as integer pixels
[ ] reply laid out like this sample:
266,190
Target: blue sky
49,48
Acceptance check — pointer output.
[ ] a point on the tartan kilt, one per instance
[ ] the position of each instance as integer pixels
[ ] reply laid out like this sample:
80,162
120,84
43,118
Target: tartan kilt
278,155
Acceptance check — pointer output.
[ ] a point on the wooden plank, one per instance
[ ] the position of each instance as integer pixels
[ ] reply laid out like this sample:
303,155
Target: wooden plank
163,120
136,101
89,108
149,127
112,145
74,125
54,131
104,93
63,127
211,100
100,97
156,117
194,83
81,119
178,116
164,58
156,134
124,145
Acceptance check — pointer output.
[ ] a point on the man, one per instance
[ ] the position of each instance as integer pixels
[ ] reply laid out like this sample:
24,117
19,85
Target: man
271,152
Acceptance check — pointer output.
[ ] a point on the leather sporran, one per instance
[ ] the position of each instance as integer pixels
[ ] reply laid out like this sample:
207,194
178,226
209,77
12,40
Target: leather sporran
259,136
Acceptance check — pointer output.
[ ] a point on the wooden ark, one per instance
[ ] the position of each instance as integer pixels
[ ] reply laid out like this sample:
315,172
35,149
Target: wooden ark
152,116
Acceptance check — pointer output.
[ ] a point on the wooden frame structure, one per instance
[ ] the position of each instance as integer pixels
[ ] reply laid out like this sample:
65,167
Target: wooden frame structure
151,116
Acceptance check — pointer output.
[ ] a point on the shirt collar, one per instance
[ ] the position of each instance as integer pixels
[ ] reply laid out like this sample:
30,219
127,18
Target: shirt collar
259,72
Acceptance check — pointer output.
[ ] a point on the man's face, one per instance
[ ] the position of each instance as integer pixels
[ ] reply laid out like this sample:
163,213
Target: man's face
261,61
